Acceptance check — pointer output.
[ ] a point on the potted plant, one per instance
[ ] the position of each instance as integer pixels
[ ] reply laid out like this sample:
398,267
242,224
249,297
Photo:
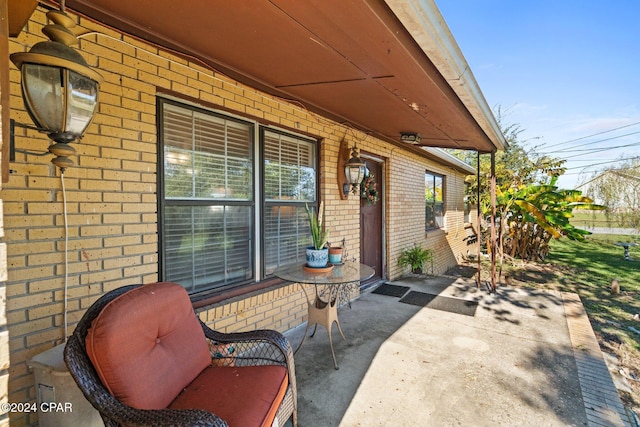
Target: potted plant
336,253
317,254
415,258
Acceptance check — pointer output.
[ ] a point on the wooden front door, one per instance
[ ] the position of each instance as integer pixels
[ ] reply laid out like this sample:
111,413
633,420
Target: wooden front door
371,226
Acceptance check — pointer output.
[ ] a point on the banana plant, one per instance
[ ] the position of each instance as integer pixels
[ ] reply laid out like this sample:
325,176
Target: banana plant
531,215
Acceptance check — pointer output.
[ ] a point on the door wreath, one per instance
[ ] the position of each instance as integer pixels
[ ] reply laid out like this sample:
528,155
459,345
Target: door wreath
369,189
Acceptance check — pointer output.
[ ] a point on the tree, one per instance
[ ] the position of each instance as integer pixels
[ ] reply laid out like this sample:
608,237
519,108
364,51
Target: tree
618,188
517,165
530,208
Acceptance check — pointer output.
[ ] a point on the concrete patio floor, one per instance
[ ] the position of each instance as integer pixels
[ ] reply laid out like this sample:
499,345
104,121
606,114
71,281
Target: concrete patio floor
526,358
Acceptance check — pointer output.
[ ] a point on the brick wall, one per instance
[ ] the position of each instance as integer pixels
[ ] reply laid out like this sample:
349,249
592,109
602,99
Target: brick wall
405,217
111,211
279,309
4,132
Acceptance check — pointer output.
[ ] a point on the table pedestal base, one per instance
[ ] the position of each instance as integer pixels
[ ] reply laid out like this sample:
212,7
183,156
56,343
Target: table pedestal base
332,289
323,313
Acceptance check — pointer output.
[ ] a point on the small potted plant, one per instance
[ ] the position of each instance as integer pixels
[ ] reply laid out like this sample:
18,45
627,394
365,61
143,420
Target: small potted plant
415,258
336,253
318,253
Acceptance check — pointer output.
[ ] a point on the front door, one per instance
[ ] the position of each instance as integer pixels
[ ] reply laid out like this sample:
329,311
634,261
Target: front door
371,221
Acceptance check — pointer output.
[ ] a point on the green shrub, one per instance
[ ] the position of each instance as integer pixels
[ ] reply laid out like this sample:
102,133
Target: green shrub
415,258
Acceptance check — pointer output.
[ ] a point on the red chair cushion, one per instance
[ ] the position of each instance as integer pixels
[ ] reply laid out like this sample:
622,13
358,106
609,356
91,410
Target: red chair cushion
147,345
247,396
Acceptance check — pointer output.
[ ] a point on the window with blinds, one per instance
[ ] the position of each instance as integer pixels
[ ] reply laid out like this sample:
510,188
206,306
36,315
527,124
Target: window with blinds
289,185
208,204
207,207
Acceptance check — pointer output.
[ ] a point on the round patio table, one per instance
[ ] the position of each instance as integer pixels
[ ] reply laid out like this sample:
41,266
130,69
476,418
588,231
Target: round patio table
323,307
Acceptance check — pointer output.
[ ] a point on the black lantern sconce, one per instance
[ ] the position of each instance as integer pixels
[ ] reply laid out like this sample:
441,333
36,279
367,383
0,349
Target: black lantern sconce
351,170
59,89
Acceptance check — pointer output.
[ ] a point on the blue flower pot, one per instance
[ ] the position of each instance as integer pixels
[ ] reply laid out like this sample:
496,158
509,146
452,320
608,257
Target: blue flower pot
317,258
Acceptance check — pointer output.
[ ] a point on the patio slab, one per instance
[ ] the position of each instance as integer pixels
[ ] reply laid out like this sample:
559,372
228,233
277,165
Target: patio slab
515,362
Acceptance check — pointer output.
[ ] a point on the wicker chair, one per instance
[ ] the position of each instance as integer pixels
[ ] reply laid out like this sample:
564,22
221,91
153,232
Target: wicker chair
231,352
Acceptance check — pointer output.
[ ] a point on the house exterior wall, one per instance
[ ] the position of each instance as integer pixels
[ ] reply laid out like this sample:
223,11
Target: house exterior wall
4,120
406,217
111,201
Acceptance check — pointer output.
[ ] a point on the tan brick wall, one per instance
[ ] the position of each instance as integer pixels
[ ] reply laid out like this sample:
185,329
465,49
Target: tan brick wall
4,120
111,198
280,309
405,213
4,332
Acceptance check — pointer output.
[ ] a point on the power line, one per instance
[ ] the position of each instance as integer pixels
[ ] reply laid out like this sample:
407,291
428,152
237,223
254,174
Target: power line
592,135
602,160
601,171
568,150
602,163
600,174
598,150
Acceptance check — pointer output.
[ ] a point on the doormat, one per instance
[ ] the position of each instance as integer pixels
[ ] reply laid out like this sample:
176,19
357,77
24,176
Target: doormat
452,305
391,290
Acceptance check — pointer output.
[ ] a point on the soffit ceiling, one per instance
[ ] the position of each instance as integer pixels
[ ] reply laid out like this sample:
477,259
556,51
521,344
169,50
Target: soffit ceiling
350,60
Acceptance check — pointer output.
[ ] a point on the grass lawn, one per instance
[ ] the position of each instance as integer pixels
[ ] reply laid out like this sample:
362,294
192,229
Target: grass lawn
588,269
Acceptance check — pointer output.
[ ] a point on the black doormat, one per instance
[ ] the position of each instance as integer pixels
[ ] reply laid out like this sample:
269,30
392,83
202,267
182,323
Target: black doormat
391,290
453,305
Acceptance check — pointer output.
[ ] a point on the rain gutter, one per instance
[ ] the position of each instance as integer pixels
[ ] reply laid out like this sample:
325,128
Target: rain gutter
423,21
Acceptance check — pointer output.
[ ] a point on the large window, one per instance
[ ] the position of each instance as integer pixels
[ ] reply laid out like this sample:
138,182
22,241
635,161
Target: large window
434,200
212,197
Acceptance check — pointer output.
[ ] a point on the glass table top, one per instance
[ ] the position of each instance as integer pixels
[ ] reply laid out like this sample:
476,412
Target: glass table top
345,273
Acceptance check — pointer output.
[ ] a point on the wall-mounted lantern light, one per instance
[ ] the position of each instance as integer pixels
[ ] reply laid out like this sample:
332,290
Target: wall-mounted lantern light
59,89
354,170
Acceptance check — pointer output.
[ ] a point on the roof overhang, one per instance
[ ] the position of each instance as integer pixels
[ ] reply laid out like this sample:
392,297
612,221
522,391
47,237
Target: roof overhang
450,160
384,67
18,13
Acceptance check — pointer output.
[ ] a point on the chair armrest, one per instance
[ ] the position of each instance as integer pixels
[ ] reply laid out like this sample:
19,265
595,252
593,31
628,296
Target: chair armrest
258,347
172,417
126,415
277,348
114,412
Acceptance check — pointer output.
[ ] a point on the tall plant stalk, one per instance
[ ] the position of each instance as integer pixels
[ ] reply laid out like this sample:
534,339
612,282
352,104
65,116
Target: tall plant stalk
319,232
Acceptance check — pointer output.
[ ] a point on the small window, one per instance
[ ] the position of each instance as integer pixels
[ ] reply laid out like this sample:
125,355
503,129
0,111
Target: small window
467,210
434,200
467,203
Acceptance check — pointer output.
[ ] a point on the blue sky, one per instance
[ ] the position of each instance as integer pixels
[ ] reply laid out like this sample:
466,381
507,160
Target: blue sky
567,72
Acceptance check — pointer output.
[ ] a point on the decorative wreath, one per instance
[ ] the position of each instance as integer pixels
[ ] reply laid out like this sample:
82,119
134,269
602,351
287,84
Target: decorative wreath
368,189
